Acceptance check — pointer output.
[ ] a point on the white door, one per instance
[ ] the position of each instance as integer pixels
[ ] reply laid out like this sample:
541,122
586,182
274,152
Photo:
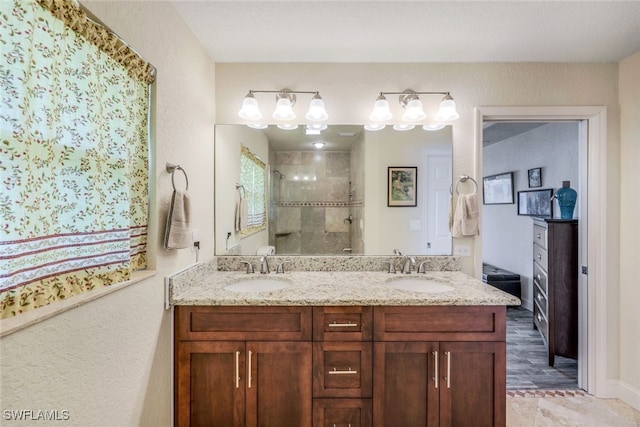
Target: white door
438,182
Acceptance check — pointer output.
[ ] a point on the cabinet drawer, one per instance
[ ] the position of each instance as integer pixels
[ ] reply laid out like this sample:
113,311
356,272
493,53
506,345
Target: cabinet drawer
342,369
540,236
243,323
540,256
540,320
540,298
342,323
540,277
439,323
342,413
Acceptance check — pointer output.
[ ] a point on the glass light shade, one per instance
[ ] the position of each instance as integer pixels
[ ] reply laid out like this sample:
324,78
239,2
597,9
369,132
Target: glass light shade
447,110
287,126
250,110
374,126
433,126
284,110
319,144
316,112
381,110
404,126
257,125
317,126
413,111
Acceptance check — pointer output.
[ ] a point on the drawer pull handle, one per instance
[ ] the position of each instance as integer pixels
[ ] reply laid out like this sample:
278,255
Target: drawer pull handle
448,377
249,369
538,276
539,256
435,368
237,369
343,325
538,236
341,372
539,297
539,318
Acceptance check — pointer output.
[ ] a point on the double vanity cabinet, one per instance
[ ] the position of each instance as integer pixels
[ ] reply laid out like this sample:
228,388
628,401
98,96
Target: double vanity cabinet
326,366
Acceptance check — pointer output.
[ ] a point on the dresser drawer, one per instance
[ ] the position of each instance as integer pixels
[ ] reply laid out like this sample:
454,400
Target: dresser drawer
349,323
540,298
243,323
540,277
540,236
342,412
342,369
540,256
540,320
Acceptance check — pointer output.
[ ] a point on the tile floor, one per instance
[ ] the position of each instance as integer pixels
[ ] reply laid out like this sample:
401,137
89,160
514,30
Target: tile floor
539,395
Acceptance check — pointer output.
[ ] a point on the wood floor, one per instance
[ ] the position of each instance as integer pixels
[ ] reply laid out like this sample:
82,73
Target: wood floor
527,360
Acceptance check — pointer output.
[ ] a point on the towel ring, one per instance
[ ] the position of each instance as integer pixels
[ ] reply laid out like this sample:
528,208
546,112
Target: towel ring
171,168
463,178
240,187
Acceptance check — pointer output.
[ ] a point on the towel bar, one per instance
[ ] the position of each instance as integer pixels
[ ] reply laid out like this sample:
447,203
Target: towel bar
171,168
463,178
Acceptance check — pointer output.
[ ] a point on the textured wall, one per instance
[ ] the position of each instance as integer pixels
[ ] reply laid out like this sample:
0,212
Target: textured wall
109,362
507,236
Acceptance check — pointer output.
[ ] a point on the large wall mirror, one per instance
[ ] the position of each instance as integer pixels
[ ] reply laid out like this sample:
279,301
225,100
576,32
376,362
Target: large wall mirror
336,197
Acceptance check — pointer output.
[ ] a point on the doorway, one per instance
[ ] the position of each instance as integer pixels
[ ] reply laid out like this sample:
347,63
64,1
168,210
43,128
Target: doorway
592,250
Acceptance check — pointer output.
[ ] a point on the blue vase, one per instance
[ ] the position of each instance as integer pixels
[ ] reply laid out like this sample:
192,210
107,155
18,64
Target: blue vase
566,199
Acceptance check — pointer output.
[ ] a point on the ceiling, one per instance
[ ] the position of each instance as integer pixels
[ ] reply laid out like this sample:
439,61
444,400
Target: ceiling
414,31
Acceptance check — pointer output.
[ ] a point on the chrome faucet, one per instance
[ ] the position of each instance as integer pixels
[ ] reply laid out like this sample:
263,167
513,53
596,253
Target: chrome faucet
421,268
264,265
409,262
280,268
249,266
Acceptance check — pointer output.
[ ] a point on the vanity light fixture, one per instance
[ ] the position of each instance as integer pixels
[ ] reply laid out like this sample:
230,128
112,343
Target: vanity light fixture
285,100
403,127
257,125
374,126
287,126
412,105
319,144
433,126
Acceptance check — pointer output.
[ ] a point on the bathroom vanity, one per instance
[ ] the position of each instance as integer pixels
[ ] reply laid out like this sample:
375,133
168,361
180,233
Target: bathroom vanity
339,348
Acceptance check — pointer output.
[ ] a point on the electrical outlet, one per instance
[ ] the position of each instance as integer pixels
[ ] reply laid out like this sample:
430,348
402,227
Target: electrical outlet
462,250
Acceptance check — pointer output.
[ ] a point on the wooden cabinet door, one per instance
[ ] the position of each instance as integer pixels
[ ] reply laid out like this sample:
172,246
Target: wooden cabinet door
472,384
210,384
404,384
279,384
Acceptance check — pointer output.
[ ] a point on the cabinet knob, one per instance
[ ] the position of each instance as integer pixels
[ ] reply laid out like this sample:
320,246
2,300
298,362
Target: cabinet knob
539,256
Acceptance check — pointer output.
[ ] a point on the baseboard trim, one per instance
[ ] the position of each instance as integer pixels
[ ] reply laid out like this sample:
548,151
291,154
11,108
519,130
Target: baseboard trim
620,390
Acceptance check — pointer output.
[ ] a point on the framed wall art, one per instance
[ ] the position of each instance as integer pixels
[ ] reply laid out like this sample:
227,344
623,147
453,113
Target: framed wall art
536,203
402,183
498,189
535,177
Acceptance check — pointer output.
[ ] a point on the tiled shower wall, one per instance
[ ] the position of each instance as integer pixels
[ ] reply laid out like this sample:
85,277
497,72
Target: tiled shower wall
309,207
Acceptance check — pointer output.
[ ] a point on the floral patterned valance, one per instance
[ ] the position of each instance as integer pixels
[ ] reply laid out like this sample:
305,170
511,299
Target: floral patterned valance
69,12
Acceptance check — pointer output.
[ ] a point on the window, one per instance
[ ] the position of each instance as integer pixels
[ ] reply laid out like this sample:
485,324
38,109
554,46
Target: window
253,181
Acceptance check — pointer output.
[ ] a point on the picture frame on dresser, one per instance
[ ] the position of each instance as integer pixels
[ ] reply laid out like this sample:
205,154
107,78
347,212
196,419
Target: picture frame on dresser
536,203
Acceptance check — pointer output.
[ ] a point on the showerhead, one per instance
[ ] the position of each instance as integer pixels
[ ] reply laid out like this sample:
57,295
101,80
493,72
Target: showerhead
281,175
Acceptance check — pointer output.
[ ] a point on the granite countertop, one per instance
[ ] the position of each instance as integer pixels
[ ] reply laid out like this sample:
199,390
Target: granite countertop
315,288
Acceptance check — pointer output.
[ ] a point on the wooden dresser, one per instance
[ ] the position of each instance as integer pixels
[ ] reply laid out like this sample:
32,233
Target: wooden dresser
555,285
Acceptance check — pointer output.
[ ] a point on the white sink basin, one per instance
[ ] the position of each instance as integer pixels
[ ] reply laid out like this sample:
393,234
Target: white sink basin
257,285
419,285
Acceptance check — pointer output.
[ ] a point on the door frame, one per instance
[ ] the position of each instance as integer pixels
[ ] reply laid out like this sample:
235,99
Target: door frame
593,302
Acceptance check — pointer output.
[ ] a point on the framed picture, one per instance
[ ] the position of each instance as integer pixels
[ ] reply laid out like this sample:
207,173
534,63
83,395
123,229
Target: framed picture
535,177
536,203
402,183
498,189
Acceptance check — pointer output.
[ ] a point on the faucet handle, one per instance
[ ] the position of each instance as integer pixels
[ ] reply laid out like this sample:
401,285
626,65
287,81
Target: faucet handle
249,266
392,267
280,268
421,268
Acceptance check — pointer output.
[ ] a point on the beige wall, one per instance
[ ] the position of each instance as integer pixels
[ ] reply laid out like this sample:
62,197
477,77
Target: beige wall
629,93
109,362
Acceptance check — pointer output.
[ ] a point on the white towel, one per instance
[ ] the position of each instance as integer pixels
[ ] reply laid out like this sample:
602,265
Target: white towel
241,215
465,216
177,234
266,250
